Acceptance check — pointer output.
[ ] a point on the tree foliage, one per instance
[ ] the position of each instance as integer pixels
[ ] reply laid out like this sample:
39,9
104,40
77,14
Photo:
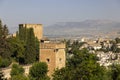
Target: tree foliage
25,46
4,62
81,66
22,33
114,72
30,50
5,52
38,71
17,49
117,40
19,77
16,70
4,44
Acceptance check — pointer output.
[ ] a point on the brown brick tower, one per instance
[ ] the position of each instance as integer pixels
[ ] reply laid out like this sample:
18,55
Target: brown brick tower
53,54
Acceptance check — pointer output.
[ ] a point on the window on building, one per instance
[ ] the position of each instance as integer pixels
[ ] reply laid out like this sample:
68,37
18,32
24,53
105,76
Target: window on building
48,60
56,50
60,59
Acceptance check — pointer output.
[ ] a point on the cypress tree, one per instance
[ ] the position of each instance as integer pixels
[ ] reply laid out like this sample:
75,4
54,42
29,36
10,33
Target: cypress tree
4,44
22,33
30,51
37,48
0,28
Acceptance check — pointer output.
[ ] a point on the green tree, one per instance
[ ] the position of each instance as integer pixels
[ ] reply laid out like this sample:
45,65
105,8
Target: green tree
4,44
38,71
19,77
17,49
30,50
37,48
81,66
5,52
63,74
31,45
117,40
115,72
23,33
4,62
16,70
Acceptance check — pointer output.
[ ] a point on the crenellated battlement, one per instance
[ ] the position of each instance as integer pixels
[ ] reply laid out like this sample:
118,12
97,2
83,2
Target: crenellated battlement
52,46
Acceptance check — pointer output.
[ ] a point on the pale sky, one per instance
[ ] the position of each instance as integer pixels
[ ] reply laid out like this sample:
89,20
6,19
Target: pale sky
47,12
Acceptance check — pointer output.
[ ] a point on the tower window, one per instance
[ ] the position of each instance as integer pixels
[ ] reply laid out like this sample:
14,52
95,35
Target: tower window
56,50
60,59
48,60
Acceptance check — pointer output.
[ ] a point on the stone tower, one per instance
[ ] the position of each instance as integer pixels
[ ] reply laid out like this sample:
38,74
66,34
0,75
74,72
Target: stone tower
38,29
53,54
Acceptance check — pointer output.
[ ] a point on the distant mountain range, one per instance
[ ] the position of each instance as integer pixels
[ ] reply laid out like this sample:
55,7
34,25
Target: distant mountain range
84,28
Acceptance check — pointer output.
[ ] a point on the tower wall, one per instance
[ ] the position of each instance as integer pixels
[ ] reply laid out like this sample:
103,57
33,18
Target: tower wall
54,55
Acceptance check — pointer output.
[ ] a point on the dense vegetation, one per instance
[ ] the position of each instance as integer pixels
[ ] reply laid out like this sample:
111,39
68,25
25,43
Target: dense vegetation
24,48
80,66
17,73
39,71
28,44
5,52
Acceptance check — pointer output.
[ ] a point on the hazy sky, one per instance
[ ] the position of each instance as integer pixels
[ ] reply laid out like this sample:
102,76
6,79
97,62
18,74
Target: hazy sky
47,12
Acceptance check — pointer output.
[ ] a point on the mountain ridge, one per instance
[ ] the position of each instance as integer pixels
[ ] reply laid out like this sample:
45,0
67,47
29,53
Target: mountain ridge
90,27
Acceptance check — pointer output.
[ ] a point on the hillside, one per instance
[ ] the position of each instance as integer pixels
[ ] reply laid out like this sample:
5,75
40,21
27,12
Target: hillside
84,28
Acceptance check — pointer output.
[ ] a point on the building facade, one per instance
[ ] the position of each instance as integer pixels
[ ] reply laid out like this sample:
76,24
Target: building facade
53,54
